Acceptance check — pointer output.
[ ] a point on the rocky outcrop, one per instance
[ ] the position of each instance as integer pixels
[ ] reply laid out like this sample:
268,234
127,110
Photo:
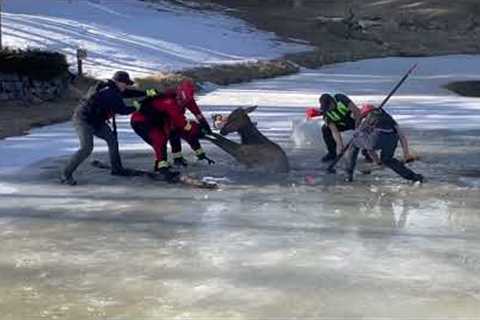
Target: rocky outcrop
19,87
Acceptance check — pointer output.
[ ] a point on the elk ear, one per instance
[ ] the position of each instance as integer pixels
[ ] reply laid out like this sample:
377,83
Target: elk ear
250,109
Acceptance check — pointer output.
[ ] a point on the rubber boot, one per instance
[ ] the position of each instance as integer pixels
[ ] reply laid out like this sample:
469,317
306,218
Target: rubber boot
418,178
67,179
163,169
120,172
180,162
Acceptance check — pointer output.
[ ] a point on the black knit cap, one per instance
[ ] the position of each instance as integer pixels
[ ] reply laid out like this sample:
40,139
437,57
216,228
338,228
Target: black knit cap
326,102
123,77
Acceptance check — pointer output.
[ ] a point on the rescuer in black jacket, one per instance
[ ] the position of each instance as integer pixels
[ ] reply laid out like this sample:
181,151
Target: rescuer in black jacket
91,116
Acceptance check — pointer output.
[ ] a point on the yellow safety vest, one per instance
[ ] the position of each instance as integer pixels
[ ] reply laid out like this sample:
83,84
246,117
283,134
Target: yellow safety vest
339,113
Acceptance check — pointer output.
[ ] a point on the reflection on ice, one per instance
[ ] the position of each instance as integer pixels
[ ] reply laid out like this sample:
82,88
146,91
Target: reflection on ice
258,248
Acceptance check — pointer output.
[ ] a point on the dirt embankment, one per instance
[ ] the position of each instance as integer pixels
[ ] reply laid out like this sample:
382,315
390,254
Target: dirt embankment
465,88
344,30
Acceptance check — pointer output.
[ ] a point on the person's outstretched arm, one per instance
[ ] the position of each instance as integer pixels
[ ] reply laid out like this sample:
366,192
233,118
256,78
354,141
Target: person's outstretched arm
337,137
407,156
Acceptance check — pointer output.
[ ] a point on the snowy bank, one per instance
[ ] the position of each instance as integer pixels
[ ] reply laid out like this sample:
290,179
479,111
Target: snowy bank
139,37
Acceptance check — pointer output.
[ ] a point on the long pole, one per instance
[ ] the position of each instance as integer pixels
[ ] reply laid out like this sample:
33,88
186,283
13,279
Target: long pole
392,92
331,167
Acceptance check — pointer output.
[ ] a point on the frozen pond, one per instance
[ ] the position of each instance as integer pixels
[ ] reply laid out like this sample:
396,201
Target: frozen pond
302,245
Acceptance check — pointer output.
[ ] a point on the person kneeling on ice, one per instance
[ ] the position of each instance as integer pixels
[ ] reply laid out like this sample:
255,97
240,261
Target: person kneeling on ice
184,96
340,114
379,131
91,116
157,119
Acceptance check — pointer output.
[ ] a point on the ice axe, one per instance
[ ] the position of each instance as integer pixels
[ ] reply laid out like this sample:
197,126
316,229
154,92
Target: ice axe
331,167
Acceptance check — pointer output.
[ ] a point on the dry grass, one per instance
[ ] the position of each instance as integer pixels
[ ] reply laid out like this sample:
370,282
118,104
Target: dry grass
222,74
17,118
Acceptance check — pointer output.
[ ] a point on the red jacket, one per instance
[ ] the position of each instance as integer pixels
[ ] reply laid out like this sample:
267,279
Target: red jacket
164,109
168,109
192,106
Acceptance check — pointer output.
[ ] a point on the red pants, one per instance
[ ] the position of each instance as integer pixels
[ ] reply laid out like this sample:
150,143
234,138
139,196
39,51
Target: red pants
157,135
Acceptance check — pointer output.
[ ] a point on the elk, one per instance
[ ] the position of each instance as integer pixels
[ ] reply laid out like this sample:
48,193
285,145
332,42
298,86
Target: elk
255,150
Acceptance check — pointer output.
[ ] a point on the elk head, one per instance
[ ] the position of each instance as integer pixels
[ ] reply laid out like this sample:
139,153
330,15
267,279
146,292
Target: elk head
237,120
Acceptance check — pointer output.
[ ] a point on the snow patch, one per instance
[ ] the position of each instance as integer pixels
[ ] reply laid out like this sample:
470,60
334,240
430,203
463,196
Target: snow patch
6,188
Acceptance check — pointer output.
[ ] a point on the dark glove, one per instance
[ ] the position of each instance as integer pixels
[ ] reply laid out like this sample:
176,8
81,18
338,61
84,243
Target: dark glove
205,127
204,157
311,113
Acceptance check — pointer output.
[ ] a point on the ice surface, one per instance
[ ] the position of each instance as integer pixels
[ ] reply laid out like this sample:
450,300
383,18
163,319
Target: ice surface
300,245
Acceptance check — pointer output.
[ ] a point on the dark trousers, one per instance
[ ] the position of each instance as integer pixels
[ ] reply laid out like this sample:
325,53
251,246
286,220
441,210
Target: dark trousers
387,144
328,136
154,135
85,133
176,143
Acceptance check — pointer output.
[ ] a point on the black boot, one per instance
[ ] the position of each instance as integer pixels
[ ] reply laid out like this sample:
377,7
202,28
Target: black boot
180,162
418,178
67,179
120,172
168,175
349,177
163,169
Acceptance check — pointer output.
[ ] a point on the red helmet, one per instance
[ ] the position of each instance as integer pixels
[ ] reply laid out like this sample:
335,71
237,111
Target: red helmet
186,91
366,109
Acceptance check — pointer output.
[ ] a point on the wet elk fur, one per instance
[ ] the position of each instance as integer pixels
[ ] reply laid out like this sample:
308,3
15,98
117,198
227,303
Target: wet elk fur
255,150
